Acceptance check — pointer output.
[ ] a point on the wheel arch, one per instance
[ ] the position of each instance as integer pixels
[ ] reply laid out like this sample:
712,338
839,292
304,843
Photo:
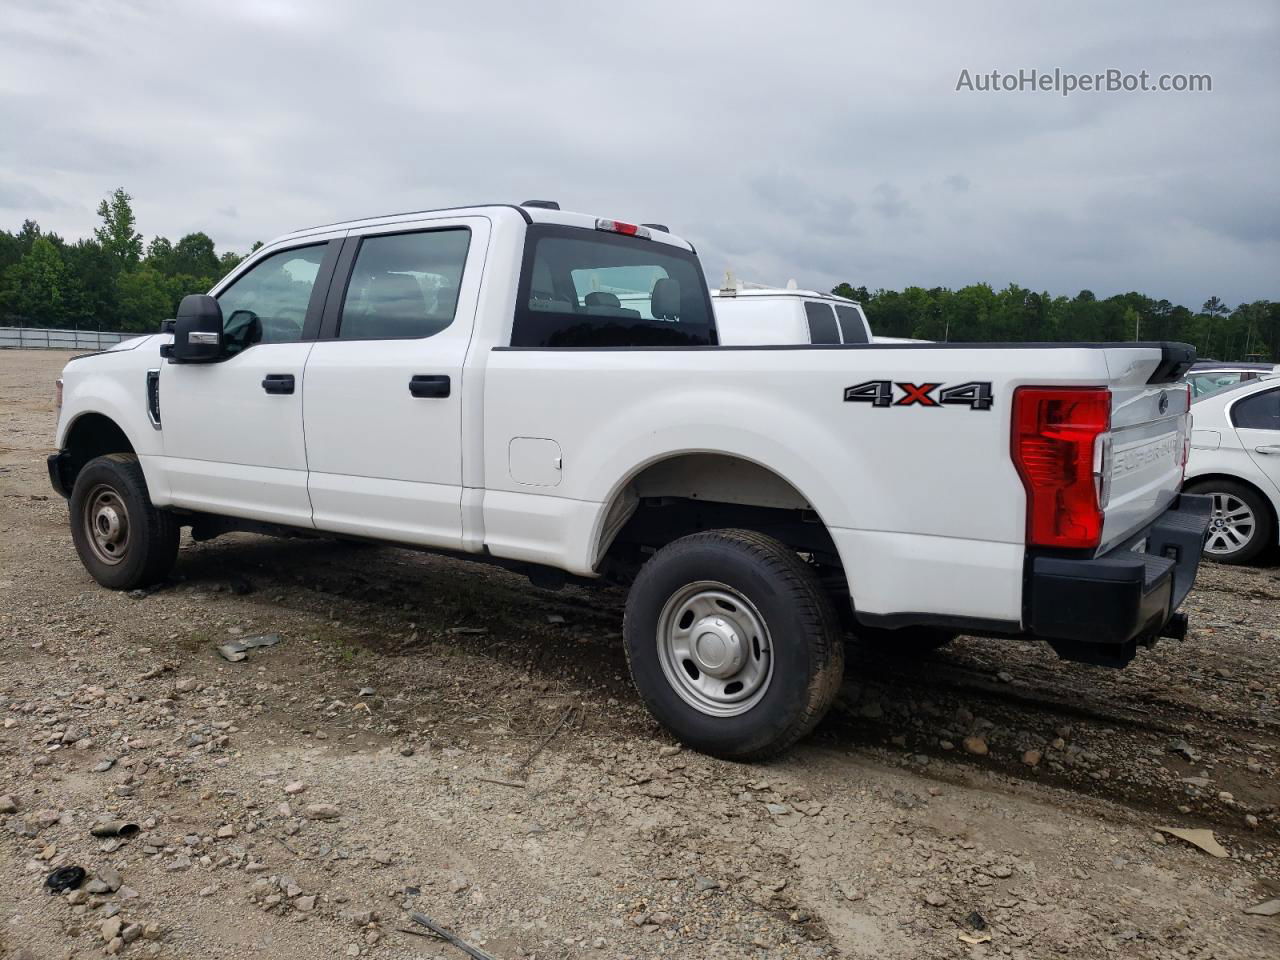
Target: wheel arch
89,435
722,477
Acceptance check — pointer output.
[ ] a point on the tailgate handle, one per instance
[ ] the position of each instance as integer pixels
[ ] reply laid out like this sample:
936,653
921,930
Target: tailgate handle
429,385
278,383
1269,448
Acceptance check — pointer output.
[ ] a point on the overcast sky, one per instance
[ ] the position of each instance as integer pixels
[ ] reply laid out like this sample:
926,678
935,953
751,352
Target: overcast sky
815,141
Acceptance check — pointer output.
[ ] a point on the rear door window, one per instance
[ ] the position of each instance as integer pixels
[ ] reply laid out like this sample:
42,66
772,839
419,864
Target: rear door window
404,285
587,288
822,322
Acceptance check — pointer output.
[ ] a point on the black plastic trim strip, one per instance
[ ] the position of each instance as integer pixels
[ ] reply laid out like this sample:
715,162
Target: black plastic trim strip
972,625
319,290
336,291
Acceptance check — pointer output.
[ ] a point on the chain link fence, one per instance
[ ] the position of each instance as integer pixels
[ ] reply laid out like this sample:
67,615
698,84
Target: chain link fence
46,338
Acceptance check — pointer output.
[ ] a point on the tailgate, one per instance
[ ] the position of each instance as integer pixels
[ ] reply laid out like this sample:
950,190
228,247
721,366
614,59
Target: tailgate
1142,469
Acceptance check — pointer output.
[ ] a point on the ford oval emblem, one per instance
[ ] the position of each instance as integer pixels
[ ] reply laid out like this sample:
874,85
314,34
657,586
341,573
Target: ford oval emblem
1164,402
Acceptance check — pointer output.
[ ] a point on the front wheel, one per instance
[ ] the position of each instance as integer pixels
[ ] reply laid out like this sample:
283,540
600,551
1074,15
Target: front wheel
122,539
1239,524
733,644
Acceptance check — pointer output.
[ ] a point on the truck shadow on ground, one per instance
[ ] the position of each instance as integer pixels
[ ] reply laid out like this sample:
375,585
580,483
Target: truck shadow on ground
1140,737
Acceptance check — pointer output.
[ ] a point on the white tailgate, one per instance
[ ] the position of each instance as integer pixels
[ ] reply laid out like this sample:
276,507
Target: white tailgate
1149,424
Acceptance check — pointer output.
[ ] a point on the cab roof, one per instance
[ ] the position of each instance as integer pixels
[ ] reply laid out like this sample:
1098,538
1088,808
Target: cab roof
531,215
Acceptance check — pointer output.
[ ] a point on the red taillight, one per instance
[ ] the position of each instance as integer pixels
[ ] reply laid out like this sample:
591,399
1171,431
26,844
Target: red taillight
626,229
1055,435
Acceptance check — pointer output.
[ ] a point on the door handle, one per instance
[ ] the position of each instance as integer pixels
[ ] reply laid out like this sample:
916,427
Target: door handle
429,385
278,383
1268,448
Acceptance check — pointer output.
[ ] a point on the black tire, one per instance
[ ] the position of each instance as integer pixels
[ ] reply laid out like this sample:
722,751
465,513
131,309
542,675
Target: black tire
906,642
107,487
805,662
1263,533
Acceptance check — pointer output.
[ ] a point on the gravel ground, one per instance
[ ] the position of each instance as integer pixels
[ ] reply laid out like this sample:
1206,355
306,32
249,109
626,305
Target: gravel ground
437,736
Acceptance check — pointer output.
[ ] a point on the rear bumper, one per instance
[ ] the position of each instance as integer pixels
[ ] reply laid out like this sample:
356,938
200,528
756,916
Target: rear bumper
1101,609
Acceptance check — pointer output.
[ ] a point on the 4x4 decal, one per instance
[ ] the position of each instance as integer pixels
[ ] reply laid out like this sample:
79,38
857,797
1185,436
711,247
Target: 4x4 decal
974,394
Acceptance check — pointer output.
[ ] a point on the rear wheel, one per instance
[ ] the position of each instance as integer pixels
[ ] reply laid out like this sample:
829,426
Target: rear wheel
733,644
122,539
1240,524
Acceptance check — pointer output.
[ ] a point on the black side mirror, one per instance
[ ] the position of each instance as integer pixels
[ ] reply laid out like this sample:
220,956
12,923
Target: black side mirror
197,332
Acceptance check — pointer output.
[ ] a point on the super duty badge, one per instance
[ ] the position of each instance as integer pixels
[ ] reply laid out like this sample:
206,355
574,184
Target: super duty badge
976,394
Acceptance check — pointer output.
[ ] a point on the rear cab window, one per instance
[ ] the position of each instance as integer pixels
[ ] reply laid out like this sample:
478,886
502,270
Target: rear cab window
589,288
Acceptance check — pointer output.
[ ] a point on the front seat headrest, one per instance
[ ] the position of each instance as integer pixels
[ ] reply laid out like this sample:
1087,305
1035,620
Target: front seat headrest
665,299
598,298
396,295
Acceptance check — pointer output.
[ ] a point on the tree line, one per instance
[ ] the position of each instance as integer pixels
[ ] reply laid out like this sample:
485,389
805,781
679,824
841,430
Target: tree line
981,313
110,281
113,281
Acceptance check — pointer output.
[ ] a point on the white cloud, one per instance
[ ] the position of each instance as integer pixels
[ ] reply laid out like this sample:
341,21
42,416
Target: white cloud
821,141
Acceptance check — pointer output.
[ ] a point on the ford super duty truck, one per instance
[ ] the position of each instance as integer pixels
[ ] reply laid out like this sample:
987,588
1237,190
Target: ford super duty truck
545,390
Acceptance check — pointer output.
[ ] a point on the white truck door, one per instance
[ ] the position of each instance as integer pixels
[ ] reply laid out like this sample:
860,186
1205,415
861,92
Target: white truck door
383,404
233,429
1257,422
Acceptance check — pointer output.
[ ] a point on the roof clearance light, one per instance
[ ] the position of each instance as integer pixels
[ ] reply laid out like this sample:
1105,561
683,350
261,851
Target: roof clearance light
626,229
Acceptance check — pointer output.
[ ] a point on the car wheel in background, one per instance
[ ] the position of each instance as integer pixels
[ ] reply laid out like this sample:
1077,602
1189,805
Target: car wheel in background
1240,524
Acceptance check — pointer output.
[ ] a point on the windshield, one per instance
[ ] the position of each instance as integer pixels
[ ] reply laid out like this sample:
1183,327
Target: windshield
588,288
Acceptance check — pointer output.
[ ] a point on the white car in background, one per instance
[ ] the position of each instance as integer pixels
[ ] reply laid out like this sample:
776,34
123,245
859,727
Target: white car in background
1235,459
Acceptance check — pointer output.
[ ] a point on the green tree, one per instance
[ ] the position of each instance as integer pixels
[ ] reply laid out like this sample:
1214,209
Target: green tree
227,262
160,255
118,234
37,289
195,256
10,250
143,299
95,272
846,290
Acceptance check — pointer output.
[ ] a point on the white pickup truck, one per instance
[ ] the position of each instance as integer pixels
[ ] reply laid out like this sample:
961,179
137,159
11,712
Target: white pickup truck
545,390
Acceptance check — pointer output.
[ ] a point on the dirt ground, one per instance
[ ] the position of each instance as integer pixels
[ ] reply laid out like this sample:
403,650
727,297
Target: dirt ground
438,736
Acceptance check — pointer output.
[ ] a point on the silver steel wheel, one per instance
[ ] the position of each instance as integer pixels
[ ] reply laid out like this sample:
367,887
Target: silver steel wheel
106,524
715,649
1231,525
